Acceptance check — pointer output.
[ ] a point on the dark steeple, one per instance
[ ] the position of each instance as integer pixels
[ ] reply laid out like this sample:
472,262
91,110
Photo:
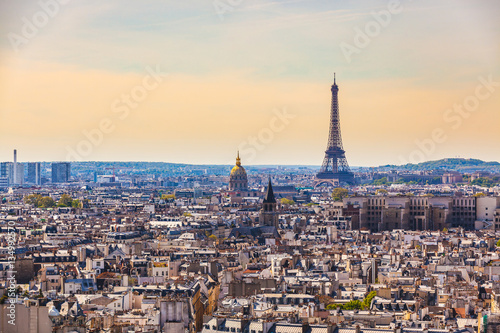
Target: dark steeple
269,215
269,197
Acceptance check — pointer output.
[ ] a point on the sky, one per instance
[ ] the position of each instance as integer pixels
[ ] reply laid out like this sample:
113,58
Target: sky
194,81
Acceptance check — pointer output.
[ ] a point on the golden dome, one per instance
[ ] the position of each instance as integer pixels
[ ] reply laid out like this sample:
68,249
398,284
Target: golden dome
238,180
238,170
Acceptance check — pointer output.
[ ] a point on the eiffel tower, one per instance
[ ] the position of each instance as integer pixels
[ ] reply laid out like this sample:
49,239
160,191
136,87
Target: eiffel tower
335,169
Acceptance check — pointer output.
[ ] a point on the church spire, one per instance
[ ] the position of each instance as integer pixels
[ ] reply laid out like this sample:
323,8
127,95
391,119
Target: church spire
238,160
269,197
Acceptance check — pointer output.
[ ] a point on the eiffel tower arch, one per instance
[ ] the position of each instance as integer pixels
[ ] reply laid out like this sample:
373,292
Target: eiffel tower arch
335,169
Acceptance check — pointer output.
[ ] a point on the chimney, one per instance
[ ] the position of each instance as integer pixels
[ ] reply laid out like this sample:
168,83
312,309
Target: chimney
15,167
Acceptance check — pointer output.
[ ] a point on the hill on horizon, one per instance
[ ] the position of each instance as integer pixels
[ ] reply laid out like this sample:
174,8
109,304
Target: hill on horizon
451,164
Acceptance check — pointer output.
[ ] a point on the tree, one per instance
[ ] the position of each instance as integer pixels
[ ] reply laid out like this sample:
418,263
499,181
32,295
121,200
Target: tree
47,202
367,302
168,197
479,195
498,243
437,180
354,304
77,204
339,193
65,201
33,199
381,181
484,182
381,191
286,201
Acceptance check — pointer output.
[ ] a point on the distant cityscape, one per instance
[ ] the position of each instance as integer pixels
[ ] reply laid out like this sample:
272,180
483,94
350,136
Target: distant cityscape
113,246
230,166
446,171
162,247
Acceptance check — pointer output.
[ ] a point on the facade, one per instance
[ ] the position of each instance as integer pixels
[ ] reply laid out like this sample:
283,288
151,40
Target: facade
238,180
485,208
33,318
496,218
34,174
7,171
4,182
14,172
61,172
452,177
464,212
18,173
379,213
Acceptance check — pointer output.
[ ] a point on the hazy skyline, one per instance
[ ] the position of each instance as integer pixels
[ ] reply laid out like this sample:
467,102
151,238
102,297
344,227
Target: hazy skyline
259,70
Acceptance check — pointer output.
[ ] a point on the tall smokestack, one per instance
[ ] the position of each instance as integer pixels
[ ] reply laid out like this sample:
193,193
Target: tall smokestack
15,167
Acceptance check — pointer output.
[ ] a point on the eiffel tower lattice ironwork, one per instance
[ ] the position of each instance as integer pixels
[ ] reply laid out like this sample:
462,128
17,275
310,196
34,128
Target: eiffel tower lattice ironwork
335,168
